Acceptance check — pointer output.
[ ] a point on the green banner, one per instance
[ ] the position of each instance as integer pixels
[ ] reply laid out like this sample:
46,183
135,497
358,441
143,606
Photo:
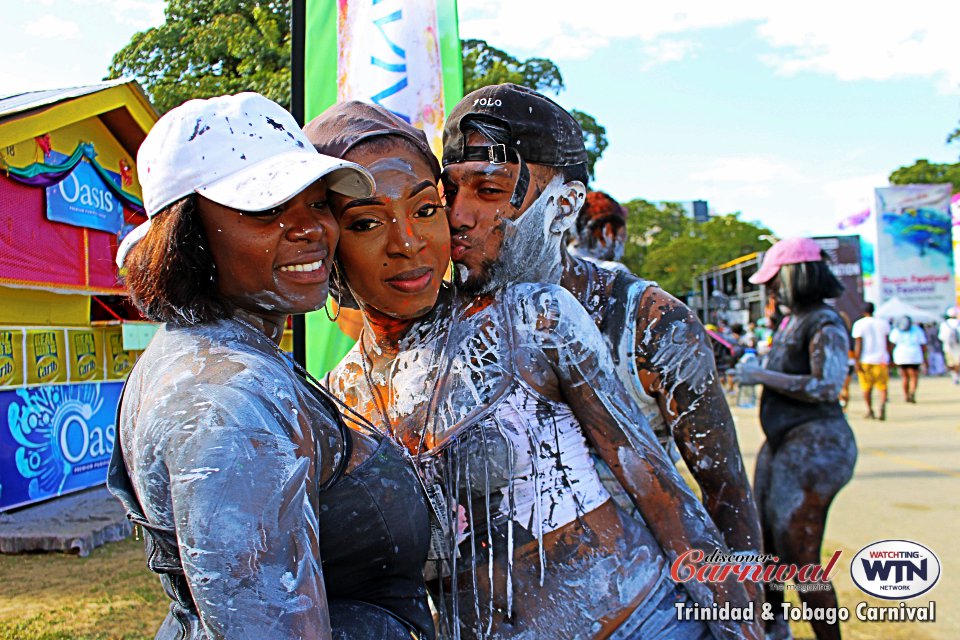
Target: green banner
401,54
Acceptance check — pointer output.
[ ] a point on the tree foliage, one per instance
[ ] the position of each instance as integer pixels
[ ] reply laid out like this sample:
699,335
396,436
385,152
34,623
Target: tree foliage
664,244
484,65
206,48
926,172
594,137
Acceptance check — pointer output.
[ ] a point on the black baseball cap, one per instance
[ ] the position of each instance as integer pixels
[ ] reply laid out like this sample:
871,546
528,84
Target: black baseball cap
541,131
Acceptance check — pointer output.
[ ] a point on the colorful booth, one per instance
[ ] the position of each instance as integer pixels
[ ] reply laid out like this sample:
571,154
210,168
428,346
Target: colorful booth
68,337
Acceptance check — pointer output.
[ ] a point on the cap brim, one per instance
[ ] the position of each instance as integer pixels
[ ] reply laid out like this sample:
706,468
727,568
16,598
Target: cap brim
273,181
130,240
765,274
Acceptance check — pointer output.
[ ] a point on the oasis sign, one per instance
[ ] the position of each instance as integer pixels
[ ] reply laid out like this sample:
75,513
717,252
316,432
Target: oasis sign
83,200
55,439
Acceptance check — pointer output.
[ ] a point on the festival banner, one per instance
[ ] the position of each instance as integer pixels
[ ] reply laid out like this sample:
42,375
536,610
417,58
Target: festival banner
46,356
914,251
401,54
119,361
955,214
11,357
86,354
55,439
843,253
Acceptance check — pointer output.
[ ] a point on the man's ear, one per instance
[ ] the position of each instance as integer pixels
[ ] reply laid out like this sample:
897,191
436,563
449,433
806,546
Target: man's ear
569,203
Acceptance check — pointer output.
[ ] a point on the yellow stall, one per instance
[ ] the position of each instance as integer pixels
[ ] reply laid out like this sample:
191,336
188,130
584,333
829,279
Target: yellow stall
68,193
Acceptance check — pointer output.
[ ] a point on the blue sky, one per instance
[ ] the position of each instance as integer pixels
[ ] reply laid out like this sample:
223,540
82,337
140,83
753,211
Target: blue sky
790,115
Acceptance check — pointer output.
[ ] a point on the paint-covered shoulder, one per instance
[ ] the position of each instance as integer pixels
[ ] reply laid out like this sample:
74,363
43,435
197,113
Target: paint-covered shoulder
555,318
659,315
347,374
545,296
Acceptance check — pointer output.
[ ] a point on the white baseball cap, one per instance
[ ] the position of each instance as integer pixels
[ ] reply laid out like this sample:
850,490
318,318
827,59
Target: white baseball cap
241,151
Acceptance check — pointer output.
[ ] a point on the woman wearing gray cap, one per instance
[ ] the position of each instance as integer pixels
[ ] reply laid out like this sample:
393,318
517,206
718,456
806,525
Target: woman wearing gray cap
263,514
497,398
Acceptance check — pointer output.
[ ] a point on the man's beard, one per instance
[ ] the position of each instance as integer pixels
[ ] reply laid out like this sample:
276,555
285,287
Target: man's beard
529,251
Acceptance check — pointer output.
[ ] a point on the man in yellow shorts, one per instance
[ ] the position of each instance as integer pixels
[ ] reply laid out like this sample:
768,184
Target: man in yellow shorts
872,354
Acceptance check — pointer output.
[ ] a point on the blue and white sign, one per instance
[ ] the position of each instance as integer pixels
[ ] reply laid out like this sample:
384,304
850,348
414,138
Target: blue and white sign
83,200
55,439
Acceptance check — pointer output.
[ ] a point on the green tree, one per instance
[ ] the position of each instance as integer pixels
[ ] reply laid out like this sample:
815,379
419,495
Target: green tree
926,172
594,137
667,246
211,47
484,65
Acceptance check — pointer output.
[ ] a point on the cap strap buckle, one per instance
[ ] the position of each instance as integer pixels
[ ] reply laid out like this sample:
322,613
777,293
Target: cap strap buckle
497,153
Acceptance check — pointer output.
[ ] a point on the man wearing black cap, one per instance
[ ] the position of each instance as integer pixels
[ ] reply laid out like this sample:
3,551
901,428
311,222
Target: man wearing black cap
514,175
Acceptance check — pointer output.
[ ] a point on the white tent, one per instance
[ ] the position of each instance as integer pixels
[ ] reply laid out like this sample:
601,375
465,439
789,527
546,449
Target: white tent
895,308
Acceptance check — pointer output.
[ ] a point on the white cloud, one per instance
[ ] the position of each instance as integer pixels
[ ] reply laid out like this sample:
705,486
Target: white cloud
139,14
852,40
51,26
747,170
854,194
857,43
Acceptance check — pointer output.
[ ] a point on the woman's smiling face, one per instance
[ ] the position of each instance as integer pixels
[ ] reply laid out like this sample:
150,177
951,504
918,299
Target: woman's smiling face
277,262
394,246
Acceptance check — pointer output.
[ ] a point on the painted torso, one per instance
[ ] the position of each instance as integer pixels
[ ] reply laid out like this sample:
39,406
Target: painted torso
465,394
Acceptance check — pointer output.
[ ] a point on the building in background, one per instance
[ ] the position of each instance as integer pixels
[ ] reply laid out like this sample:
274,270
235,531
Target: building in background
68,193
724,295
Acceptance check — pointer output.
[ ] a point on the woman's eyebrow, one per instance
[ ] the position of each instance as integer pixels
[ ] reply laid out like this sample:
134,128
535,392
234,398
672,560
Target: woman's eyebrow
426,184
362,202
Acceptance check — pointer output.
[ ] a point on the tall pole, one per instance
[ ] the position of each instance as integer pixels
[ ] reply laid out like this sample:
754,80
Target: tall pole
298,14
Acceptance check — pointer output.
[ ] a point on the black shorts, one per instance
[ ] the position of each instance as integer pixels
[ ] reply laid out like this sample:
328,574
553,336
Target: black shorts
909,367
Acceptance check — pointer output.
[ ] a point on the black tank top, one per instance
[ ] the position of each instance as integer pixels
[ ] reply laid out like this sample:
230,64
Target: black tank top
374,534
789,353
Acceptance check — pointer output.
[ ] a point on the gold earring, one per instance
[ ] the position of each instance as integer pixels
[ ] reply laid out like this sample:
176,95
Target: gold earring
326,309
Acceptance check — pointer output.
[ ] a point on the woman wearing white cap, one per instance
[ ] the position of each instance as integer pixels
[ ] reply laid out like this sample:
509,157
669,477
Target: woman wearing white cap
263,514
810,451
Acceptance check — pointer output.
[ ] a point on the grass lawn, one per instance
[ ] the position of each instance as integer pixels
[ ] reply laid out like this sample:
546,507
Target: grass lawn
56,596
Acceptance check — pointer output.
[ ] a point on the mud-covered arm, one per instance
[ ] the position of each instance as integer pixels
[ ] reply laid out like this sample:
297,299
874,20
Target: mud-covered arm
828,369
613,424
246,529
676,366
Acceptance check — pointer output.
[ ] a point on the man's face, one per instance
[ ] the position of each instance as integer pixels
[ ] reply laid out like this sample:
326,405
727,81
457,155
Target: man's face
478,207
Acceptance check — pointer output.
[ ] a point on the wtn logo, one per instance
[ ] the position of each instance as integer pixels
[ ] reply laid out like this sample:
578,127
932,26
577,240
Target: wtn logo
903,570
895,569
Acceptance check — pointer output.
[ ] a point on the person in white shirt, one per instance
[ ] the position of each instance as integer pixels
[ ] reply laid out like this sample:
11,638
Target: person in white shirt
949,336
909,354
873,359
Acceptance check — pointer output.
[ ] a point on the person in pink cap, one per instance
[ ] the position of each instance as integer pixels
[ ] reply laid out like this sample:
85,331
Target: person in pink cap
810,451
